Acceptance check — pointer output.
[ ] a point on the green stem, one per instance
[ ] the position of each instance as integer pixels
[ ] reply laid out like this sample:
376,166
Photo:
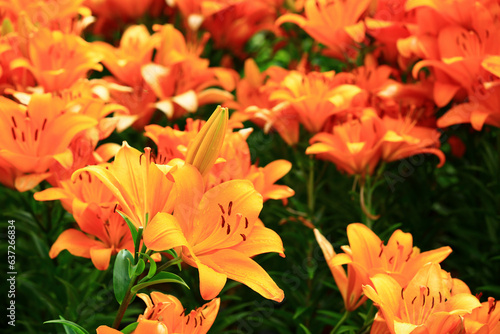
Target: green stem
124,305
311,188
172,262
341,321
137,243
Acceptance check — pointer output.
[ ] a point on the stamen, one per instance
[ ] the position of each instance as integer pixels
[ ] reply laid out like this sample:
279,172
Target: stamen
187,322
408,258
243,236
36,135
432,306
140,157
183,312
195,322
228,229
80,176
229,208
221,209
492,303
246,222
24,139
428,291
201,321
13,133
413,301
14,121
202,315
423,300
44,123
440,297
114,209
402,290
223,221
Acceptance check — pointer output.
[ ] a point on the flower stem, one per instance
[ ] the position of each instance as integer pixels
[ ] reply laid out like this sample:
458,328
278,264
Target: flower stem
341,321
310,188
124,305
168,264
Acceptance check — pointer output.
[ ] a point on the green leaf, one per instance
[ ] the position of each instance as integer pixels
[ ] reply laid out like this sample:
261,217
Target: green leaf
162,277
136,270
152,268
131,225
174,255
121,278
69,326
304,328
130,328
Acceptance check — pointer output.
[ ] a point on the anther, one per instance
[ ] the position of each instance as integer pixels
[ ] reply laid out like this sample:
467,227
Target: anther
428,291
24,139
195,322
243,236
81,177
230,205
14,121
36,135
13,133
221,209
228,229
183,312
402,296
187,322
432,306
408,258
440,297
114,209
413,300
423,300
246,222
223,221
44,123
201,321
140,157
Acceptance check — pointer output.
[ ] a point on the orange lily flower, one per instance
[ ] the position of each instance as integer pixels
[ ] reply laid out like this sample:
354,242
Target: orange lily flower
404,139
57,60
478,112
314,97
165,314
350,284
141,187
354,146
101,236
11,48
423,306
125,65
484,319
229,238
336,24
399,259
34,137
181,79
264,179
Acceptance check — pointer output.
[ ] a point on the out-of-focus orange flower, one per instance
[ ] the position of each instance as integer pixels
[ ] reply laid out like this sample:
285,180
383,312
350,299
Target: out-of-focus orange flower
101,236
52,14
403,139
34,137
457,146
165,314
335,24
398,259
141,187
484,319
425,305
353,146
181,79
229,238
57,60
314,97
481,110
13,47
350,284
125,64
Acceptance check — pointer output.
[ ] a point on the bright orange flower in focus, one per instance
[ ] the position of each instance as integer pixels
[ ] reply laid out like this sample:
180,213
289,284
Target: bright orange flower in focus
484,319
34,137
102,235
398,259
217,232
141,187
165,314
350,284
335,24
425,305
58,60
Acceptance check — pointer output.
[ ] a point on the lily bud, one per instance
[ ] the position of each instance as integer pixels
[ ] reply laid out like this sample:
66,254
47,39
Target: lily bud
203,151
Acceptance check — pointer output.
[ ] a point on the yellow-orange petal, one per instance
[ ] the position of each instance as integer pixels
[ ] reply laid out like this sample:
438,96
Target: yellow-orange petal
75,242
100,257
163,232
